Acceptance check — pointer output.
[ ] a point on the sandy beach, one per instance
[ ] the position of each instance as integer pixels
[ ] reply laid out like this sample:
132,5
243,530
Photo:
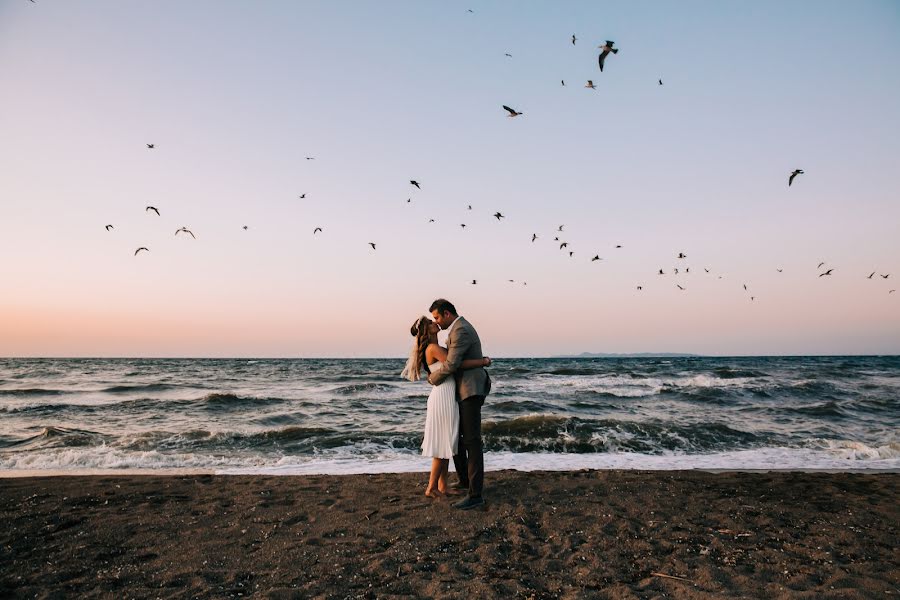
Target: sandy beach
586,534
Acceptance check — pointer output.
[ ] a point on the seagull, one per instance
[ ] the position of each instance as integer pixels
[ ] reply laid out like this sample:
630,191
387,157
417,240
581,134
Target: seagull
872,274
607,48
705,269
507,54
317,230
512,112
618,245
431,220
415,183
819,266
372,244
891,291
661,272
310,157
745,287
153,208
639,288
564,245
885,276
660,82
186,230
302,196
151,146
141,248
682,255
687,270
470,207
562,81
597,257
676,270
779,270
570,254
533,237
573,39
245,228
470,10
560,227
794,174
108,227
752,298
474,282
499,216
828,272
679,287
590,84
556,239
463,225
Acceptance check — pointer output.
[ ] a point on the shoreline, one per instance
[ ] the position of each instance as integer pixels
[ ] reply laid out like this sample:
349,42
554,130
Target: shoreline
178,472
549,534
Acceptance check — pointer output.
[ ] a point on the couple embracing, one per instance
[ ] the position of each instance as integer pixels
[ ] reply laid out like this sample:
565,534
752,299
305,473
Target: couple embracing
453,417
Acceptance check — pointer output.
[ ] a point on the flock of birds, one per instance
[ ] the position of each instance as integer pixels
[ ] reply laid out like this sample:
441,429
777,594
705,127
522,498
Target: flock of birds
607,48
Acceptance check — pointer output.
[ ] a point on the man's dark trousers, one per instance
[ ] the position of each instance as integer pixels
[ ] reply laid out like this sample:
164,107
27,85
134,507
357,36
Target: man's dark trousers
469,462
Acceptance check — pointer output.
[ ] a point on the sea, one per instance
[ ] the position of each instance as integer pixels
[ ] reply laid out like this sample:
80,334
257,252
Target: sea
342,416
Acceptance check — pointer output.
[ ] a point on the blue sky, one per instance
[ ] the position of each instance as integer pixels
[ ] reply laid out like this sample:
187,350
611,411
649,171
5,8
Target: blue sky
235,95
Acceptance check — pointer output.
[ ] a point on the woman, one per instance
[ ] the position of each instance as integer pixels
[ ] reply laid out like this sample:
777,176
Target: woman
442,413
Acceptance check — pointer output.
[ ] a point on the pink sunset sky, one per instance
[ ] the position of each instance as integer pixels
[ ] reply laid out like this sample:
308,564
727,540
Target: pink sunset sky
236,95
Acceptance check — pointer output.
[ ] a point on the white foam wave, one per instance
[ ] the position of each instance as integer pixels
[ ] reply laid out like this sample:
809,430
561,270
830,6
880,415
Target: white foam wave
838,456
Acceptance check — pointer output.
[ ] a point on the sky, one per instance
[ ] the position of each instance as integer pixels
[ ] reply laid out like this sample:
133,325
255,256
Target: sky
236,94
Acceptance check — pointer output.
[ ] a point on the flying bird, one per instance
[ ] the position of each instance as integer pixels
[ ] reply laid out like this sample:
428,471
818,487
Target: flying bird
779,270
819,266
573,39
533,237
310,157
186,230
507,54
705,269
415,183
153,208
661,272
597,257
474,282
139,249
245,228
463,225
828,272
682,255
560,227
590,84
639,288
570,254
618,245
794,174
891,291
108,227
679,287
151,146
564,245
431,220
660,82
317,230
562,81
745,287
872,274
512,112
885,276
302,196
499,216
372,244
607,48
470,207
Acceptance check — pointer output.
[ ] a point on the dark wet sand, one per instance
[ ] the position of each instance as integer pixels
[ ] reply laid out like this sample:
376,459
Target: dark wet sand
590,534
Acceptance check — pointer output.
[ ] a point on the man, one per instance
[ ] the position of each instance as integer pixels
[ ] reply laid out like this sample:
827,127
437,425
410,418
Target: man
472,386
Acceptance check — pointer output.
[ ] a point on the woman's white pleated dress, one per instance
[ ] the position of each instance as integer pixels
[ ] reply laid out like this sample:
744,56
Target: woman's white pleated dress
441,419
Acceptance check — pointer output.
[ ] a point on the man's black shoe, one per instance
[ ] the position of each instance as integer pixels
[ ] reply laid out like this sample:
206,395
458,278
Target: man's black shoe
461,486
469,502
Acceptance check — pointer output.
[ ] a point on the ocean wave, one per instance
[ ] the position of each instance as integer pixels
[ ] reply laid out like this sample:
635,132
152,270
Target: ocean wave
57,437
854,450
34,392
558,433
360,388
147,387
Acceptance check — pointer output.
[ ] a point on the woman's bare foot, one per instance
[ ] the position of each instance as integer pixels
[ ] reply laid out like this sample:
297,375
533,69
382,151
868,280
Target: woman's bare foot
448,492
434,493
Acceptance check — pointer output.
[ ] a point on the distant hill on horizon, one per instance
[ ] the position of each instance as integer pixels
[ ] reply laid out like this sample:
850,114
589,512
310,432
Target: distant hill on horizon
628,355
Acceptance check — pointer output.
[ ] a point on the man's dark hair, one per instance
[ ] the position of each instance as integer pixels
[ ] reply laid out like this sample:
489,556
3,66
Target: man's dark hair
442,305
